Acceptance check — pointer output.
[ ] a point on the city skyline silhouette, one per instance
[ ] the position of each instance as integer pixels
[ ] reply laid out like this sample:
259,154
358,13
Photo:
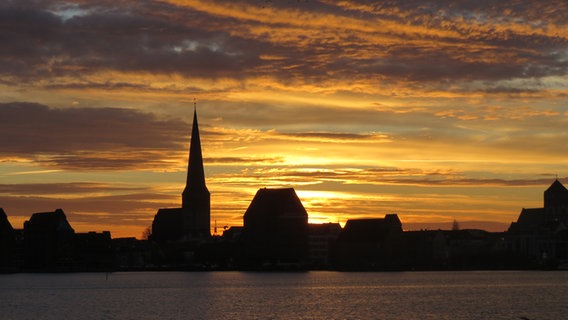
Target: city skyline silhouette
435,112
276,235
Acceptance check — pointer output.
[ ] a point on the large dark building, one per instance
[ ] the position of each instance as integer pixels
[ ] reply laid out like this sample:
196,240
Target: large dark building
48,242
192,220
275,232
7,243
541,234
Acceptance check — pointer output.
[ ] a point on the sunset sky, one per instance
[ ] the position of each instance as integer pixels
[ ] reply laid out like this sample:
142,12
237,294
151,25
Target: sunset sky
434,110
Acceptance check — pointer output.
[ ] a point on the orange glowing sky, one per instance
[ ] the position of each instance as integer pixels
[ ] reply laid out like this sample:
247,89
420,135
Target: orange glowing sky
434,110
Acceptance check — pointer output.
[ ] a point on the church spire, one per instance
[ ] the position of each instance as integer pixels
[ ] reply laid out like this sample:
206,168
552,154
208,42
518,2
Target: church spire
195,197
195,183
192,220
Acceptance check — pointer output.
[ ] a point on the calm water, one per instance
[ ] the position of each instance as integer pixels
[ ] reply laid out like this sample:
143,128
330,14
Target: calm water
310,295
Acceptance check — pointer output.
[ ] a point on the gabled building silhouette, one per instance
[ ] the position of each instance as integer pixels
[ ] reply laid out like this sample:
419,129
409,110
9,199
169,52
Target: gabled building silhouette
275,232
48,242
191,221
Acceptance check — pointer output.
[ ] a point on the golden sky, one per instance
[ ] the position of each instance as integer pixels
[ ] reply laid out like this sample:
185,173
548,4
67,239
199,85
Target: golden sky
434,110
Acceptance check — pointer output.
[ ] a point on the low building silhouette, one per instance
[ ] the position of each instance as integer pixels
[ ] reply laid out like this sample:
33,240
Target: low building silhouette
453,250
232,234
321,238
221,252
475,249
93,251
132,254
425,250
275,232
369,244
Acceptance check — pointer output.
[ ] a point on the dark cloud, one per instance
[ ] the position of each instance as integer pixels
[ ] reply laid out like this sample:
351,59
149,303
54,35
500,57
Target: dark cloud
466,182
242,160
63,188
44,44
482,11
46,41
90,138
333,136
486,43
282,115
349,178
445,66
121,210
85,197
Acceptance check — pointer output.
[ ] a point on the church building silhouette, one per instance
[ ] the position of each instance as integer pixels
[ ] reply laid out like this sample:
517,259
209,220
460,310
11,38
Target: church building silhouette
193,220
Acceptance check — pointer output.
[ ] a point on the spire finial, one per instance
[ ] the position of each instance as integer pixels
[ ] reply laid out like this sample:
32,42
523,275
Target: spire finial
194,104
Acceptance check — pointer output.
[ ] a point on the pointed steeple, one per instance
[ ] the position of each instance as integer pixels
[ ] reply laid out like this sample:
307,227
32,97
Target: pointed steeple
195,197
195,172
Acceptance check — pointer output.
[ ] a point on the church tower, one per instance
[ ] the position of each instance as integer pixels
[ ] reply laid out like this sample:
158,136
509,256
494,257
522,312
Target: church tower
556,202
196,203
